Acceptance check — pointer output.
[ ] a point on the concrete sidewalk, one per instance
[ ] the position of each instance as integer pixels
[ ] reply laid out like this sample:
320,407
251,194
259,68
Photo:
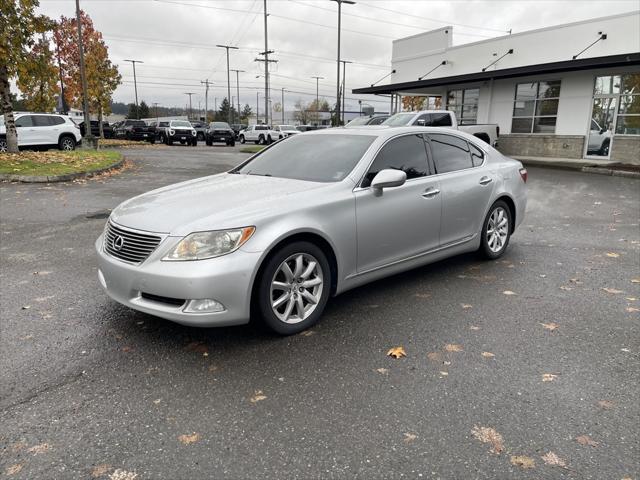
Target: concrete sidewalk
602,167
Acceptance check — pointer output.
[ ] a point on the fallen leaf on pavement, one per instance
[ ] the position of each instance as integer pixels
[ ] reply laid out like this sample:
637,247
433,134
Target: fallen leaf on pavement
396,352
100,470
473,327
548,377
613,291
509,292
586,440
120,474
307,333
466,306
197,347
258,396
551,458
409,437
550,326
26,307
434,356
13,469
382,370
522,461
490,436
423,295
127,348
632,309
157,401
488,355
444,374
631,299
613,255
635,280
605,404
453,347
189,439
37,449
564,287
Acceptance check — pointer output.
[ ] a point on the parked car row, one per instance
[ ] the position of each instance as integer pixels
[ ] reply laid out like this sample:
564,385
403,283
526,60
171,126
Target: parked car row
42,130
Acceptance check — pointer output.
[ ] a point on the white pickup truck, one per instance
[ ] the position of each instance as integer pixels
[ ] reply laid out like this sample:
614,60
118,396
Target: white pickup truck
259,134
444,118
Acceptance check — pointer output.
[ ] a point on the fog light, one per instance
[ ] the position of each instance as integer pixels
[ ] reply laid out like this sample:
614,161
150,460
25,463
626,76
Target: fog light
203,305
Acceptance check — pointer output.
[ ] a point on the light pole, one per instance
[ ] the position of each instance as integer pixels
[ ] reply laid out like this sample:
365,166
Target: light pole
227,47
339,2
206,100
317,96
257,107
155,106
238,90
83,76
135,84
189,93
344,85
282,104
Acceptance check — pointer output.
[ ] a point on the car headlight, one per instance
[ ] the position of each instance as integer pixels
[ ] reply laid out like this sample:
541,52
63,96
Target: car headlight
203,245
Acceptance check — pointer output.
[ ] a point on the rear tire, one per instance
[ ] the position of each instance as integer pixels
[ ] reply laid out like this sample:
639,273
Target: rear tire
496,233
200,136
309,287
242,139
208,142
232,143
67,143
261,140
3,145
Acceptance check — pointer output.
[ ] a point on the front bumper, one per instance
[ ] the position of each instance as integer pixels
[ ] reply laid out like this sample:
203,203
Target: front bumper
227,279
221,137
182,137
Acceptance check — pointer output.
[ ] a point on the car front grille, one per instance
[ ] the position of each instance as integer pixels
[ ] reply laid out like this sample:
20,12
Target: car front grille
129,246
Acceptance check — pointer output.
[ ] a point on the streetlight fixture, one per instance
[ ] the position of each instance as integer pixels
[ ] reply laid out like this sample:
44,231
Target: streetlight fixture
339,2
227,47
344,85
190,110
135,84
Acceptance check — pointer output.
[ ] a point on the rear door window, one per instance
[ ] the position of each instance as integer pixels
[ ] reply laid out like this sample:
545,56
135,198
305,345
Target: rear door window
449,153
56,120
407,153
41,121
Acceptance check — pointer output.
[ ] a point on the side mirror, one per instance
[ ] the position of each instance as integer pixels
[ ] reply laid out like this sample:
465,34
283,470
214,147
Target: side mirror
602,130
388,178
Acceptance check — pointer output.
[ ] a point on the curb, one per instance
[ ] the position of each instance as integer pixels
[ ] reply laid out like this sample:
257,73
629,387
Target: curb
581,167
9,177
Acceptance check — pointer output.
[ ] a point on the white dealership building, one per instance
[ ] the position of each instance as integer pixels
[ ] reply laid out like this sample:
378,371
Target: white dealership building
568,91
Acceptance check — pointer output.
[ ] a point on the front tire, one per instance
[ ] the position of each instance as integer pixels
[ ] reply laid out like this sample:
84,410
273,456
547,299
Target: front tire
3,145
242,139
294,288
496,231
261,140
208,142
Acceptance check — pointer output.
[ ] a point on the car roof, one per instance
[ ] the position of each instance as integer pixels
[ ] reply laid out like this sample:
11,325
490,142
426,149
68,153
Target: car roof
386,131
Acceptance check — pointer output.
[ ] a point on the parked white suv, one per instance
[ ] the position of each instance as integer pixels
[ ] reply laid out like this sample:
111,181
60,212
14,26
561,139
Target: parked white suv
42,130
285,130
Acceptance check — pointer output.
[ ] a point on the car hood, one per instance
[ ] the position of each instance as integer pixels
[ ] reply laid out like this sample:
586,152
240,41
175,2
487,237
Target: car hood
210,203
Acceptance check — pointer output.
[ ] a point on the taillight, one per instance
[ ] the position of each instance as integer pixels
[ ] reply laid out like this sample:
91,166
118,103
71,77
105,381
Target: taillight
523,174
498,131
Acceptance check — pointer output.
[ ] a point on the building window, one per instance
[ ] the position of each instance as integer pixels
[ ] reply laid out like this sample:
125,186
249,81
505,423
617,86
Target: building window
535,109
628,122
464,103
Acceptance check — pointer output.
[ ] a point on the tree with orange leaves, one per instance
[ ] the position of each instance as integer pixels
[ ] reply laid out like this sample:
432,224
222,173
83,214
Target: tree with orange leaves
37,78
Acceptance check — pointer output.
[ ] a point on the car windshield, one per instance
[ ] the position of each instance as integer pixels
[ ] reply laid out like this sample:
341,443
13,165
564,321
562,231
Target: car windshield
358,121
287,127
180,123
219,125
315,158
399,119
137,123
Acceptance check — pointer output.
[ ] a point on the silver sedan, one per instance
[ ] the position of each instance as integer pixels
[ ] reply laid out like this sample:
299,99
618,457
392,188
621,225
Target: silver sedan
308,218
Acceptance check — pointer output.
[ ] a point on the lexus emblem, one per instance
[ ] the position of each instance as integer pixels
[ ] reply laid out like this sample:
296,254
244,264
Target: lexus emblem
117,243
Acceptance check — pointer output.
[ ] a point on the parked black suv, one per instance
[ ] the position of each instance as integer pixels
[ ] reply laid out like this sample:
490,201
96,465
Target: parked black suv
136,130
220,132
237,128
95,129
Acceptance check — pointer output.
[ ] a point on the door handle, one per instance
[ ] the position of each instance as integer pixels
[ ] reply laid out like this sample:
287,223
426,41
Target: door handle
485,180
430,192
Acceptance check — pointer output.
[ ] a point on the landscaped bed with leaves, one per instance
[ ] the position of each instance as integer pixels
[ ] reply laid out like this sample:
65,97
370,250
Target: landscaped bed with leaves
252,148
54,162
124,143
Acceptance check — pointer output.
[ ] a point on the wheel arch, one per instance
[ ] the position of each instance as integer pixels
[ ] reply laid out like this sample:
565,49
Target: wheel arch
67,134
512,208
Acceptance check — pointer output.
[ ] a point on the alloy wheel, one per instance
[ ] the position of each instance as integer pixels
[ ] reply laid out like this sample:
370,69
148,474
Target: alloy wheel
67,144
497,229
3,145
296,288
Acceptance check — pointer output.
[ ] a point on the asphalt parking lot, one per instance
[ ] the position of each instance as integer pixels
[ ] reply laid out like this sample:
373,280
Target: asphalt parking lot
506,362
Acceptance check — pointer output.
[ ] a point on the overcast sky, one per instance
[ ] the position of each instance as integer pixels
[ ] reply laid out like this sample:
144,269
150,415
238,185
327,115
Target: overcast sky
177,39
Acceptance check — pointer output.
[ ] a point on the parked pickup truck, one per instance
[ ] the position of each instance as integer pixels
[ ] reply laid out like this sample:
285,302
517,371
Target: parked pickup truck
135,130
177,131
488,132
220,132
259,134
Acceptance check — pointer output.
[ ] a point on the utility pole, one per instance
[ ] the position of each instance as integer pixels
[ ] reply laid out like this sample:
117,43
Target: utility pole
266,61
344,85
238,89
135,84
266,66
227,47
282,104
190,111
206,100
257,107
85,89
317,96
155,106
339,2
